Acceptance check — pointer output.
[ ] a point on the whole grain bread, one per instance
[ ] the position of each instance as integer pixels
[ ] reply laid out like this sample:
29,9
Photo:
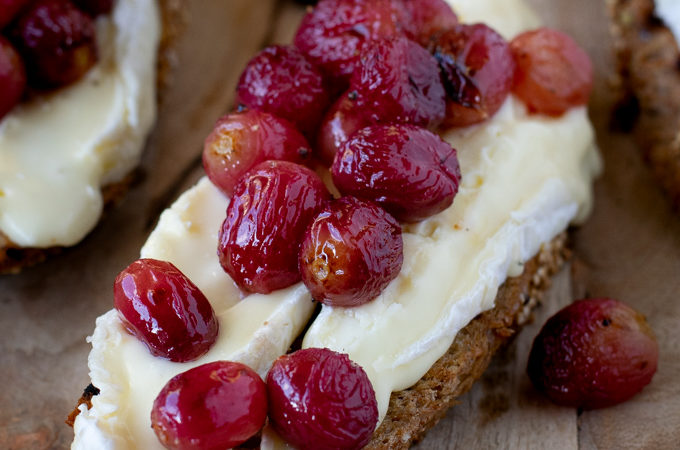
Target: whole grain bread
649,64
13,257
415,410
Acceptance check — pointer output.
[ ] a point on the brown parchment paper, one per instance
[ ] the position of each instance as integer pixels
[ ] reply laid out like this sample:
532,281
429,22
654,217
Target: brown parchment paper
629,249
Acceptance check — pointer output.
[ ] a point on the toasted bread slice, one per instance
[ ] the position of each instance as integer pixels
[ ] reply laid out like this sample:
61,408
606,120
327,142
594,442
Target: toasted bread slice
13,257
649,63
415,410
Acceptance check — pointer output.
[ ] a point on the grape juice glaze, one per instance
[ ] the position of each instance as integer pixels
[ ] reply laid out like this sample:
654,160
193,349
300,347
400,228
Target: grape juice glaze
454,263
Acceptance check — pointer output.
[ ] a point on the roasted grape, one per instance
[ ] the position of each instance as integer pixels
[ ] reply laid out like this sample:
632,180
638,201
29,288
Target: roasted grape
242,140
334,33
477,69
282,81
351,251
409,171
9,9
320,399
429,17
214,406
345,117
159,305
553,72
12,77
399,81
266,219
592,354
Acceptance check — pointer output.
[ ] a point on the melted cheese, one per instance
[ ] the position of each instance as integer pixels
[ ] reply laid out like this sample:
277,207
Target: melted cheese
57,151
525,178
669,12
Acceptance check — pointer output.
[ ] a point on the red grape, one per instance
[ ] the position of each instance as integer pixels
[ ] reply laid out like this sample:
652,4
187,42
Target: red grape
428,17
399,81
9,9
266,219
282,81
159,305
351,252
592,354
477,69
409,171
345,117
57,42
94,7
242,140
12,77
320,399
553,72
210,407
334,33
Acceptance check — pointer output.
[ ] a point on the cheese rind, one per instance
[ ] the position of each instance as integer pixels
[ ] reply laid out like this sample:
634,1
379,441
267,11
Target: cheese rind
58,150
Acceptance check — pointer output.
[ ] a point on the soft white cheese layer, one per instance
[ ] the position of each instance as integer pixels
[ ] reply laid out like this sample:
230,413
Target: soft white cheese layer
57,151
669,12
525,178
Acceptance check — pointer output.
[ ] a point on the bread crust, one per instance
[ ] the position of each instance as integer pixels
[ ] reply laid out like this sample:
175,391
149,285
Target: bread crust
649,64
13,257
415,410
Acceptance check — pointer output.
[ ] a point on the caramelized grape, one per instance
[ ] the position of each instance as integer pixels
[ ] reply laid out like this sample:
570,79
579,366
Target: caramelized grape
12,77
94,7
242,140
214,406
282,81
160,306
334,33
409,171
428,17
57,41
345,117
351,252
9,9
593,354
266,219
320,399
553,72
399,81
477,69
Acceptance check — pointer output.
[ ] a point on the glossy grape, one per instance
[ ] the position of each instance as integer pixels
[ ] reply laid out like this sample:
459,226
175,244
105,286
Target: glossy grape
477,68
57,42
335,32
351,252
592,354
553,72
9,9
241,140
409,171
214,406
320,399
282,81
429,17
12,77
266,219
399,81
347,116
160,306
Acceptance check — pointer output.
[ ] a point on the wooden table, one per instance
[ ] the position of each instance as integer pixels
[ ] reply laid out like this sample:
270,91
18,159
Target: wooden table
630,249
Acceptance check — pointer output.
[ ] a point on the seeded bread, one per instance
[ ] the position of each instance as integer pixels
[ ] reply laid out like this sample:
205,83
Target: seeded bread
13,258
415,410
649,63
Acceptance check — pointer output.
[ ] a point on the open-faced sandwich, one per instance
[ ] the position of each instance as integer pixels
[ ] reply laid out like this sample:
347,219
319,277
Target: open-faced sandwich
455,150
77,101
647,33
